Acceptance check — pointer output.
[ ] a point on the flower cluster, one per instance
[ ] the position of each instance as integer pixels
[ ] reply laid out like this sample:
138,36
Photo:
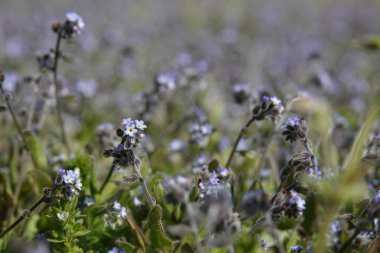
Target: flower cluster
295,128
69,182
131,136
72,26
133,128
289,203
269,107
115,216
210,186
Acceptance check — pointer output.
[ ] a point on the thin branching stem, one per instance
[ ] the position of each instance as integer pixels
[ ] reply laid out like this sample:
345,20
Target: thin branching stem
110,172
237,141
57,55
349,241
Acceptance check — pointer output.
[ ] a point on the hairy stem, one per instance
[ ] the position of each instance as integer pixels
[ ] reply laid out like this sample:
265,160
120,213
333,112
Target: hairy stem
23,216
56,93
151,202
237,141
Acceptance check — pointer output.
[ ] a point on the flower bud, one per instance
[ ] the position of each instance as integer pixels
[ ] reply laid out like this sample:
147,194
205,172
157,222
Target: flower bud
295,128
56,26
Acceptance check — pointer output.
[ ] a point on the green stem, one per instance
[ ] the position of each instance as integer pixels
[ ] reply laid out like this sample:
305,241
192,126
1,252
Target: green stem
237,141
56,93
110,172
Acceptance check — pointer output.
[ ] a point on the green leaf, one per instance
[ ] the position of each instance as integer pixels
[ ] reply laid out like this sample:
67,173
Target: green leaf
158,236
248,154
213,165
55,240
159,194
81,233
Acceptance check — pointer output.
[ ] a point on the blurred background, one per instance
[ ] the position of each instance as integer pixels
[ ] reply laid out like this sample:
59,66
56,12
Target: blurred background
282,47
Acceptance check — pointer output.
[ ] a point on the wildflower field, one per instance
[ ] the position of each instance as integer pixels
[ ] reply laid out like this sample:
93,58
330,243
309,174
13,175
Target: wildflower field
203,126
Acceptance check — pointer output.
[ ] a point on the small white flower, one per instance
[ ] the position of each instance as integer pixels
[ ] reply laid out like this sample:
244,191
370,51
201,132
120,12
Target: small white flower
123,212
116,205
76,19
88,201
78,184
126,122
130,130
213,180
69,177
299,201
140,124
63,216
137,202
76,172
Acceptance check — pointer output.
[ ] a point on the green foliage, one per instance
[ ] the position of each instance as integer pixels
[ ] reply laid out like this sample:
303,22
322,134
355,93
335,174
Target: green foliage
69,226
158,237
